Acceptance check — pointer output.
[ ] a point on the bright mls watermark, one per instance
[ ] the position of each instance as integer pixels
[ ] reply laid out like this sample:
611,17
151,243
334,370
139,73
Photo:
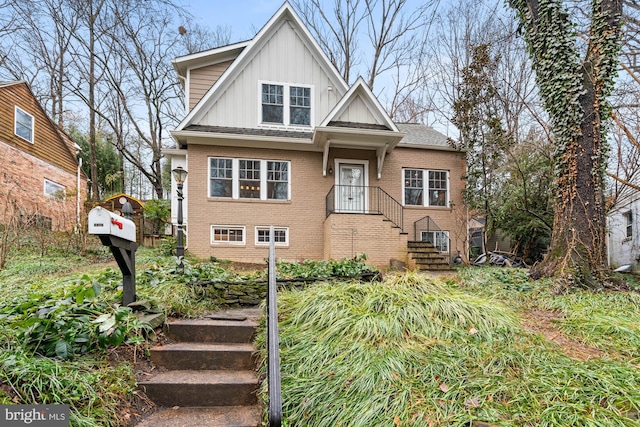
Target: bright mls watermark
34,415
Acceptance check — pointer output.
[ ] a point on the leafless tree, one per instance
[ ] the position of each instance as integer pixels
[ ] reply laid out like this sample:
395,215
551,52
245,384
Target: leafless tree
394,47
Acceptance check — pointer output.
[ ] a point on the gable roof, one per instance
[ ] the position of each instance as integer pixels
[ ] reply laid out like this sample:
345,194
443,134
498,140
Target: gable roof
360,90
286,13
56,148
207,57
377,133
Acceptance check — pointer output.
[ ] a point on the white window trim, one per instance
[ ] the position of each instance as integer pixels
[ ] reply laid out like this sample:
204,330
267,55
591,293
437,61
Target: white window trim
228,227
425,188
263,227
15,124
286,106
235,179
60,187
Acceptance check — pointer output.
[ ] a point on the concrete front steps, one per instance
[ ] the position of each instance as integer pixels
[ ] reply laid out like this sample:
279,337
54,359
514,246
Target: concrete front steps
427,257
209,373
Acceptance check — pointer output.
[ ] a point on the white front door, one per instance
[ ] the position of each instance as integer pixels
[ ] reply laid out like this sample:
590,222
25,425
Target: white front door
351,194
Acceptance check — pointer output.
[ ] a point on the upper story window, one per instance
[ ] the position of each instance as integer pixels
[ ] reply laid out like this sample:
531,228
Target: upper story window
284,104
24,124
425,187
249,179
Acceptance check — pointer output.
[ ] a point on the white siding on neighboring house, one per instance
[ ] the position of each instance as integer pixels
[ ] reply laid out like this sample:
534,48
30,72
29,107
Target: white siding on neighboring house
239,106
624,235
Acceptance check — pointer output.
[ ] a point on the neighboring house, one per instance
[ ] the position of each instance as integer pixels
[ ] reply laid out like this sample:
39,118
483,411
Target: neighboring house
624,233
273,135
41,182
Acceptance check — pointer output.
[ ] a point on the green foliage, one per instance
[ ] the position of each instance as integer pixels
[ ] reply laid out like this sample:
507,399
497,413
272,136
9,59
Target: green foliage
526,213
414,351
108,161
72,322
346,267
477,116
158,212
93,389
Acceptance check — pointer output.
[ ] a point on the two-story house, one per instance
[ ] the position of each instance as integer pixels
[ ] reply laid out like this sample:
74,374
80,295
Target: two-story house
41,182
273,135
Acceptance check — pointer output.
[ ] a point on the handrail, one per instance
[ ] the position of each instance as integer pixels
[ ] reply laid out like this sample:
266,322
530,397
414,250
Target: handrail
365,200
273,346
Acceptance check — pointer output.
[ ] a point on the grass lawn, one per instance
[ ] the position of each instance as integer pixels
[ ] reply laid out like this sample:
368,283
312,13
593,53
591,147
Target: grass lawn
483,347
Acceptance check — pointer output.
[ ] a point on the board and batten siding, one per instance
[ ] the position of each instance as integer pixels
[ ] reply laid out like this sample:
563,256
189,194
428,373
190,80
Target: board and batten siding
284,58
201,79
357,112
47,143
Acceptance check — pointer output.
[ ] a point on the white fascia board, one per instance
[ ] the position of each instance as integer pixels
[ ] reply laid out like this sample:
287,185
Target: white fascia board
253,141
199,59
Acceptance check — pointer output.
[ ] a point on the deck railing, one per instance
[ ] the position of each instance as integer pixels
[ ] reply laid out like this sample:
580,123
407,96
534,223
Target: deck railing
273,345
364,200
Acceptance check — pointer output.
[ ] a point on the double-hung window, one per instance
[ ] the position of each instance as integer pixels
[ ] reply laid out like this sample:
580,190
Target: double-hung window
285,104
249,179
221,181
277,180
417,183
23,124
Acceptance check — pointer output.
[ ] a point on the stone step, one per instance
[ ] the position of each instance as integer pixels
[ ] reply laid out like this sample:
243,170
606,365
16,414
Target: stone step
205,356
236,416
202,388
212,330
426,255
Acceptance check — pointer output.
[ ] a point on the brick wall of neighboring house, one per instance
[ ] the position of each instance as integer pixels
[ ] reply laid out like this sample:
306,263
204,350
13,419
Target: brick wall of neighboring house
22,189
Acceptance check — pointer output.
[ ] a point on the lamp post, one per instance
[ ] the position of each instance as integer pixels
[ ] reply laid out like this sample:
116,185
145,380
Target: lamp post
180,174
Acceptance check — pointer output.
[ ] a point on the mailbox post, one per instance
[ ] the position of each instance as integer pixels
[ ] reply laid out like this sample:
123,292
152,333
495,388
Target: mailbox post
119,234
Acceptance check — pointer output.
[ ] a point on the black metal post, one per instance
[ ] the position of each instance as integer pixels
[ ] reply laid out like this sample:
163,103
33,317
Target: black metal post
180,243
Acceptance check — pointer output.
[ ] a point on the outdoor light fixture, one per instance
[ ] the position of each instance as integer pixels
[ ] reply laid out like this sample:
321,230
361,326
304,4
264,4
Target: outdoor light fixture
180,175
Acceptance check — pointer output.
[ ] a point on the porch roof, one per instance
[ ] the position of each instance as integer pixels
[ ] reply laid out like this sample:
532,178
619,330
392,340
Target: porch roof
359,136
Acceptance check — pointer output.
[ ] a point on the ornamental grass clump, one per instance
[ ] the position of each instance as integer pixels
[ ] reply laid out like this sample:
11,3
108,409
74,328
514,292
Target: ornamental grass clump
412,351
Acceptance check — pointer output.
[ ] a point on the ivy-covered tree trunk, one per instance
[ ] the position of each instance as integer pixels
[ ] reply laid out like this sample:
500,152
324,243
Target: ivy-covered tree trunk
574,92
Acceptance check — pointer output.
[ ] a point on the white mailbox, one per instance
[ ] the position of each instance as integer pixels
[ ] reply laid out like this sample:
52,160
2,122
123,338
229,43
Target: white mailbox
101,221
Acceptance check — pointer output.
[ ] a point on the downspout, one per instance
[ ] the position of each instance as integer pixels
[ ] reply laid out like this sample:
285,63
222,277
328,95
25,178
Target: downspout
78,196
